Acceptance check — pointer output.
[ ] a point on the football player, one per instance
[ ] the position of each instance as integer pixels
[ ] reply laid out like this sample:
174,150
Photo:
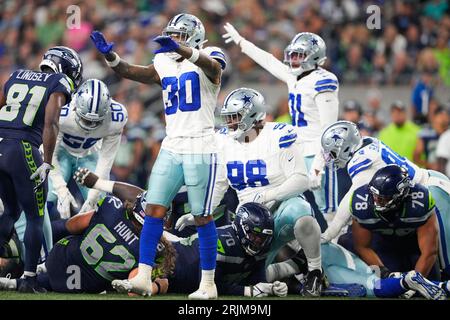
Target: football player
363,156
347,275
261,161
30,105
90,128
313,103
190,77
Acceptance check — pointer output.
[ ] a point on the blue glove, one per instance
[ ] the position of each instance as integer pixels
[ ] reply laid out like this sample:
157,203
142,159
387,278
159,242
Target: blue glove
166,43
100,42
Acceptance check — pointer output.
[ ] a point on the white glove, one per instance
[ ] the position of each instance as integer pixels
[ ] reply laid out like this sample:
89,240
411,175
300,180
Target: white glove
65,199
325,238
315,179
88,205
232,34
259,198
184,221
42,172
260,290
280,289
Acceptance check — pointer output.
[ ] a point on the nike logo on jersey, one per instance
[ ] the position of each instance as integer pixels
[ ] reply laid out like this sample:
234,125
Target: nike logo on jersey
290,159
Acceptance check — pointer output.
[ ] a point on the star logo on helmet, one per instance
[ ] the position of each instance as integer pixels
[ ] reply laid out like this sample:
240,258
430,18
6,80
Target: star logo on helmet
246,99
336,138
314,41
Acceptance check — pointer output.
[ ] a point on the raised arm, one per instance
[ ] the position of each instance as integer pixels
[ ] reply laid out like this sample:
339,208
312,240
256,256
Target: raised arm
143,74
427,237
261,57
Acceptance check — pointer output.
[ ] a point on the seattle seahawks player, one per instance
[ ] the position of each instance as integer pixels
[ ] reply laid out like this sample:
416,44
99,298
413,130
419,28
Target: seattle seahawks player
190,78
242,248
263,164
90,128
403,216
30,105
313,103
343,146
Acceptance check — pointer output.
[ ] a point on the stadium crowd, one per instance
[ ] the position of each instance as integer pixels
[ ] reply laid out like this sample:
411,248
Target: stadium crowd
412,48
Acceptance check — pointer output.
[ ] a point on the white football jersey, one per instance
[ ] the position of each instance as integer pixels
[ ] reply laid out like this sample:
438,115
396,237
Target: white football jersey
303,109
190,99
375,155
254,167
79,142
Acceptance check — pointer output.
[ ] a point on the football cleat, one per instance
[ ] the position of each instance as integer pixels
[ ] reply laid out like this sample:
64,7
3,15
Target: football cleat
415,281
313,284
204,293
8,284
345,290
127,286
29,285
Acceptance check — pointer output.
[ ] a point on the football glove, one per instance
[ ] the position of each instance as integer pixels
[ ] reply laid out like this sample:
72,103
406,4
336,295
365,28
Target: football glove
85,177
231,34
100,42
88,205
167,44
184,221
315,179
65,200
42,173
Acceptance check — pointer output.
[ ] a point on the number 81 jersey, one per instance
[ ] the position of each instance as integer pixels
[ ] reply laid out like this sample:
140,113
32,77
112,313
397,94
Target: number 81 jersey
190,99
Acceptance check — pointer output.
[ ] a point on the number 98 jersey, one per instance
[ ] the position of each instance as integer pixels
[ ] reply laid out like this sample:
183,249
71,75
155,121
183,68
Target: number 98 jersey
189,99
417,208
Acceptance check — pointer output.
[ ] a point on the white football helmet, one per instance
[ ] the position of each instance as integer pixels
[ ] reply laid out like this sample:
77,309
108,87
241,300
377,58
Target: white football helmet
340,141
305,52
92,104
242,109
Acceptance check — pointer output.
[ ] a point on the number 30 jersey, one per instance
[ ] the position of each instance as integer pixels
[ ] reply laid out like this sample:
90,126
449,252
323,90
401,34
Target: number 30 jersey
27,93
190,99
79,142
264,163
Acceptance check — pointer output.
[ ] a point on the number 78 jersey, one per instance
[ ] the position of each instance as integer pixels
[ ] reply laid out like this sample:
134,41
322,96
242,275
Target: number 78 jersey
190,99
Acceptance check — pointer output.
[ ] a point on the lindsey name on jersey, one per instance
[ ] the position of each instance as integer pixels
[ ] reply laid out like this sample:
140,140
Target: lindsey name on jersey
79,142
190,99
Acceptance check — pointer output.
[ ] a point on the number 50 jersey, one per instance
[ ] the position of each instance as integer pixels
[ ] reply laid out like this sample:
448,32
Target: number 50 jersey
190,99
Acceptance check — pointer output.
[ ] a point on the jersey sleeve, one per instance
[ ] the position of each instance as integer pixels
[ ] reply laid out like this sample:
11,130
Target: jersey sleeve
291,158
361,161
64,85
325,81
217,54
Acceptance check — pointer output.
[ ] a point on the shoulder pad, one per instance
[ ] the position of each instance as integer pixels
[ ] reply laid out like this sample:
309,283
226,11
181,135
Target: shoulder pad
217,54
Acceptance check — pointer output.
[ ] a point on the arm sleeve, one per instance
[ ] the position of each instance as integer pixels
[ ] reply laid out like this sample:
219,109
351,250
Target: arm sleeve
55,174
328,104
221,185
266,60
110,145
293,166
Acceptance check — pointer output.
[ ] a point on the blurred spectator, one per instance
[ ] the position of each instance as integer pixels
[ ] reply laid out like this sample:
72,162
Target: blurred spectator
282,113
425,152
352,111
422,98
443,153
401,134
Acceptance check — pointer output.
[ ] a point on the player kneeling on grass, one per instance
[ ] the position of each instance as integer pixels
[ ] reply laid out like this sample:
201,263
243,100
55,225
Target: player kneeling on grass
242,249
103,245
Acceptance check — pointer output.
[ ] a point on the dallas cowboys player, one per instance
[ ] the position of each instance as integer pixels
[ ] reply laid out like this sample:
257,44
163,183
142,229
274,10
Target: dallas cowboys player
190,78
263,164
313,102
363,156
90,128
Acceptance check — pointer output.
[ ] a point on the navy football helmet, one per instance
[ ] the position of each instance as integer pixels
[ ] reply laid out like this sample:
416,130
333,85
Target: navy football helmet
62,59
388,188
254,227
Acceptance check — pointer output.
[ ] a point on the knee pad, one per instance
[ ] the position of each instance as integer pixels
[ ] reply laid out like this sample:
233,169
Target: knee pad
305,226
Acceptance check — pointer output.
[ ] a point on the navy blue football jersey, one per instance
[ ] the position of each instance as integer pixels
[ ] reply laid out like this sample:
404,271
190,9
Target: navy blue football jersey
27,93
417,208
108,249
234,270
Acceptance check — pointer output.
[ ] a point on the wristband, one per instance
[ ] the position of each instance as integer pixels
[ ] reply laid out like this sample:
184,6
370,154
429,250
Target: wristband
115,62
104,185
195,55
